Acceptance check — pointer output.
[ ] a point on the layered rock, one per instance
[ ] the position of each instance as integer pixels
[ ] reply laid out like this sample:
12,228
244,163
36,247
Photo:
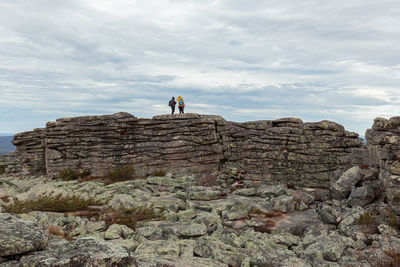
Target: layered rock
290,151
285,150
30,150
384,152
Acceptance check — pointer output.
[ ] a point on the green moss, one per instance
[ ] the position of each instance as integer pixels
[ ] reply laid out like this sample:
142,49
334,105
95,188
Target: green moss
121,174
57,203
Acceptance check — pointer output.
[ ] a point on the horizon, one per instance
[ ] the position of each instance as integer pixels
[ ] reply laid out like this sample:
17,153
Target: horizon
262,60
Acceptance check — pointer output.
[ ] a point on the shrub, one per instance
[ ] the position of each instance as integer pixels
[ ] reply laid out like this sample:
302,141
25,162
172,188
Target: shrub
68,174
121,174
368,222
131,216
85,173
57,203
159,173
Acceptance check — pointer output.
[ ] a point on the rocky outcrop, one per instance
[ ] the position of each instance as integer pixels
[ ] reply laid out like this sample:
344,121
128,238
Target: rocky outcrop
285,150
272,225
384,153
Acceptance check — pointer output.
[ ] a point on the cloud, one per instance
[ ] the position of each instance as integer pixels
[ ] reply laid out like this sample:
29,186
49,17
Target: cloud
245,61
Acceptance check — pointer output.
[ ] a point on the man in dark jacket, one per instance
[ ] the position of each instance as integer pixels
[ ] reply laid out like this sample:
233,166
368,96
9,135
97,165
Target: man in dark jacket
172,104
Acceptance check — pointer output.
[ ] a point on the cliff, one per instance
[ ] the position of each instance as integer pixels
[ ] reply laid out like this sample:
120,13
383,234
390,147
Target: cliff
284,150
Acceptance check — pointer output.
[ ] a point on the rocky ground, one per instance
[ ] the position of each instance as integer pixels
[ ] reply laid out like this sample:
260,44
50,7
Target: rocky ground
212,222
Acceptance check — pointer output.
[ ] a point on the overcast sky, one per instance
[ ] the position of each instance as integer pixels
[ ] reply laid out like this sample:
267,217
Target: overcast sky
245,60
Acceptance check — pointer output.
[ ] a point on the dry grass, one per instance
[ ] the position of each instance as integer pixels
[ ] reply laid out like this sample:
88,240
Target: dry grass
58,203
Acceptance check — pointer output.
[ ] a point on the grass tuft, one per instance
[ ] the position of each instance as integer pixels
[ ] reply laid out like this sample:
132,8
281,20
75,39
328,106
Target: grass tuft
368,222
131,216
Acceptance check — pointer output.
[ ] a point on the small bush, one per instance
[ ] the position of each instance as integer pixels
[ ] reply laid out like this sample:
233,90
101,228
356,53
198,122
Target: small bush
122,174
368,222
68,174
131,216
57,203
85,173
366,219
159,173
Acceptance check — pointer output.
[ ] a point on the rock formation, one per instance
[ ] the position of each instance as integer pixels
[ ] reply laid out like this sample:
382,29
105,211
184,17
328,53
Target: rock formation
285,150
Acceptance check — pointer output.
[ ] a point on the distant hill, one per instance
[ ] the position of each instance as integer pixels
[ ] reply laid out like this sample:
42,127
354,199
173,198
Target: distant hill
5,144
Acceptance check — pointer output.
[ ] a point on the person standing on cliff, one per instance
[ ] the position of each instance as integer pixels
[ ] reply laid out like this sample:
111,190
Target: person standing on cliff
172,104
181,104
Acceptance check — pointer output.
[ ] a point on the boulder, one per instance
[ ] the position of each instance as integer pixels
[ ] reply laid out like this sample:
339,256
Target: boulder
152,260
361,196
343,186
79,252
19,236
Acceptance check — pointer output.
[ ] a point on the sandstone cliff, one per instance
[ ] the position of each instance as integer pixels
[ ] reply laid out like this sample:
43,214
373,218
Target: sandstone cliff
284,150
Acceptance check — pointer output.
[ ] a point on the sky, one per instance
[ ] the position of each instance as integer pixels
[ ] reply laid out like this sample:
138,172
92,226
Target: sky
244,60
